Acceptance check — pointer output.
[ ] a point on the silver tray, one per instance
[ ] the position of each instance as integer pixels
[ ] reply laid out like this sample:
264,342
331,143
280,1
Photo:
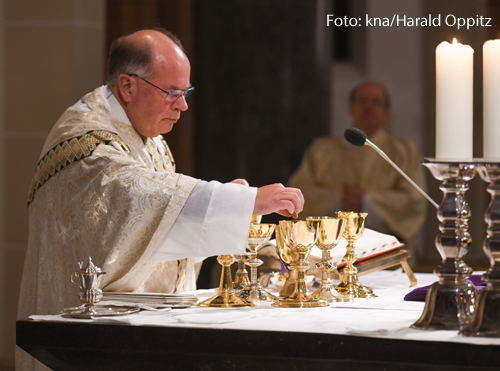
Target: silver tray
99,311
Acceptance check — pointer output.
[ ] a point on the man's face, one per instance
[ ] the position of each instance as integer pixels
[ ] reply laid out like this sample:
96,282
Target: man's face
369,108
149,111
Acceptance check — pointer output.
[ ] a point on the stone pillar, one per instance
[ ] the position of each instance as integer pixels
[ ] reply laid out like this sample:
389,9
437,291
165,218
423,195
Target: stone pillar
51,54
262,86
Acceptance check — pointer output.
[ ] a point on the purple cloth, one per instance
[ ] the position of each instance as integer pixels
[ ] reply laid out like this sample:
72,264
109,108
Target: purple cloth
420,292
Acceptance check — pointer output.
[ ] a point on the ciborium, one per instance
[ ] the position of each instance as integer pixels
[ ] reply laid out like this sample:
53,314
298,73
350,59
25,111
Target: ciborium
258,235
298,236
485,320
330,232
241,277
350,285
449,304
88,279
225,297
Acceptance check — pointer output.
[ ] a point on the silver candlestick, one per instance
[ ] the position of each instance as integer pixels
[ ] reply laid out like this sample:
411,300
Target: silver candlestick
486,318
449,303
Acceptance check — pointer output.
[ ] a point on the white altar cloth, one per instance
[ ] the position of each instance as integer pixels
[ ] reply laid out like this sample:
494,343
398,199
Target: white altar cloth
387,316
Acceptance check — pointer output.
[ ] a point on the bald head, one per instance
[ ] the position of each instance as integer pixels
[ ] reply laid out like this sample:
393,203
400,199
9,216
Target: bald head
144,69
141,51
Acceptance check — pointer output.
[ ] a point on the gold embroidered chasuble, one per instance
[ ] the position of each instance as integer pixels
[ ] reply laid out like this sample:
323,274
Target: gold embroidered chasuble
330,163
111,205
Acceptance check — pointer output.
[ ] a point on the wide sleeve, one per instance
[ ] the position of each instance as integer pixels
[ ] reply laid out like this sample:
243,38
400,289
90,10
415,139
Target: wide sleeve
214,221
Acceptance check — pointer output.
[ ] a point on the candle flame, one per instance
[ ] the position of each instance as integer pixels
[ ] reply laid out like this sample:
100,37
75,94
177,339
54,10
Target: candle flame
454,41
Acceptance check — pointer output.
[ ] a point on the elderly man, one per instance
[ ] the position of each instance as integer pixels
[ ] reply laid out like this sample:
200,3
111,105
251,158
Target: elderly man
106,187
335,175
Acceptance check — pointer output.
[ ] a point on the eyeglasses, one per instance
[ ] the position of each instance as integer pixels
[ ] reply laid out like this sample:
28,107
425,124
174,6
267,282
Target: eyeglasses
171,95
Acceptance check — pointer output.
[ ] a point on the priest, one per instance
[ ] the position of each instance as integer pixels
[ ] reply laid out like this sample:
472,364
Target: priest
106,187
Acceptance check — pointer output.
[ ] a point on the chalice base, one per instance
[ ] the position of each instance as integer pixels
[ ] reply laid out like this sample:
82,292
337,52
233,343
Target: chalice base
255,292
226,299
297,302
329,294
300,300
486,318
353,289
442,306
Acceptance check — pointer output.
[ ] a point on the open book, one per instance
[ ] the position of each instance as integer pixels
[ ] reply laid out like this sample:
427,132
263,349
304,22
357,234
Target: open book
370,244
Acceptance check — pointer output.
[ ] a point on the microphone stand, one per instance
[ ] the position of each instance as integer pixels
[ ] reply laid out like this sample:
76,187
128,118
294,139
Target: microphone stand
381,153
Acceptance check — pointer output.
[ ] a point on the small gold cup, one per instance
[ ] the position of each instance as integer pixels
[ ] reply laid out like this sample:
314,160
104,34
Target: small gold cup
330,232
294,243
350,285
226,297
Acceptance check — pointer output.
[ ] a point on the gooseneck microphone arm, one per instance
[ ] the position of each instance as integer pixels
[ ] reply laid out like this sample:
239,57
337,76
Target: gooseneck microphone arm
359,138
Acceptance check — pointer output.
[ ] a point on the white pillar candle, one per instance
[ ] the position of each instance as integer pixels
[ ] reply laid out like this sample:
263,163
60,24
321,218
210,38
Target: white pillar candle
454,98
491,100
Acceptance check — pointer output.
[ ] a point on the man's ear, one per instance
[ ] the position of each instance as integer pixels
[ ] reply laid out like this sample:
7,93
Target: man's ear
126,86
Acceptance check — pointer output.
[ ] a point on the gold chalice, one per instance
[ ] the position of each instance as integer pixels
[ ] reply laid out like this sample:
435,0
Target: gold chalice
258,235
330,231
298,237
226,297
241,277
350,285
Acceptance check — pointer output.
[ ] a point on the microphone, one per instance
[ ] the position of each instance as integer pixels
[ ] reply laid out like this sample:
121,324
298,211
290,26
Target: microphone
359,138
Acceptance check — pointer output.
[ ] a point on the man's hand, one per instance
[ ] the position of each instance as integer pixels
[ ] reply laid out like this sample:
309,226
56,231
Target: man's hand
276,198
352,198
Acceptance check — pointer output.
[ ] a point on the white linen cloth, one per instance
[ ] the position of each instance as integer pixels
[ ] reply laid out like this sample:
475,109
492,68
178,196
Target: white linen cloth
386,316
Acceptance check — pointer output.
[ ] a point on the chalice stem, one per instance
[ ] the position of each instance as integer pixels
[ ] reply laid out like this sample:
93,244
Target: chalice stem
253,275
254,263
350,258
226,282
326,272
300,292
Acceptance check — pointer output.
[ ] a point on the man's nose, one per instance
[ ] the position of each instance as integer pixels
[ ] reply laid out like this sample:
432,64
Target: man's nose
180,104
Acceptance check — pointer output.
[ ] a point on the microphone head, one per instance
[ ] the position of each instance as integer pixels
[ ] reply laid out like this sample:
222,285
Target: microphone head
355,136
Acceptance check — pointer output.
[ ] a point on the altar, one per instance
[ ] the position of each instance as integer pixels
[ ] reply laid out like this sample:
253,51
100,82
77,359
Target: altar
367,334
